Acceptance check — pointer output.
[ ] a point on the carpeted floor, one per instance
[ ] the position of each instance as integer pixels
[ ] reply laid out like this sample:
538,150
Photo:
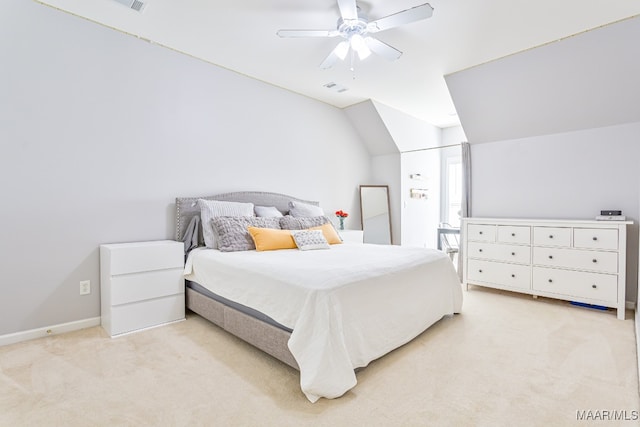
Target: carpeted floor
507,360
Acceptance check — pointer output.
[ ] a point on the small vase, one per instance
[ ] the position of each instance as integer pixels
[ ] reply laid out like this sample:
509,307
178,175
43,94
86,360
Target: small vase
341,227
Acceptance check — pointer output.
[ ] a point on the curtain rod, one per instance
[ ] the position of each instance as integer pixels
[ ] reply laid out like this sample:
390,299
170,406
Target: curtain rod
432,148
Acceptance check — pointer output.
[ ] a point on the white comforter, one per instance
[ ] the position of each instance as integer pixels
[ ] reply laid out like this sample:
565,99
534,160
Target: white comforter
347,305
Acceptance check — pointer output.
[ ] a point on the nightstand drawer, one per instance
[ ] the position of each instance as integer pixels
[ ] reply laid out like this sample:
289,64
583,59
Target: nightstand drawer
592,286
595,238
130,317
354,236
552,236
141,286
145,256
605,262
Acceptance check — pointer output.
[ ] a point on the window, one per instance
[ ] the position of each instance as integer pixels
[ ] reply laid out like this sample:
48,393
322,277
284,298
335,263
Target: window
452,194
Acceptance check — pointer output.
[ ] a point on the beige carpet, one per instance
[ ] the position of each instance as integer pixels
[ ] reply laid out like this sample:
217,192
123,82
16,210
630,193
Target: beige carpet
507,360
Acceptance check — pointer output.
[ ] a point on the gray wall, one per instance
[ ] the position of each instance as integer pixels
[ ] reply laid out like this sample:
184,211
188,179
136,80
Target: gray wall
585,81
565,176
101,131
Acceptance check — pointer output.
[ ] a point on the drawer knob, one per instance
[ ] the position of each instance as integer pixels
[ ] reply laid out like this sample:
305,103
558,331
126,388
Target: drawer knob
594,260
479,271
550,281
513,254
480,232
550,256
479,250
594,286
595,238
513,275
551,236
513,234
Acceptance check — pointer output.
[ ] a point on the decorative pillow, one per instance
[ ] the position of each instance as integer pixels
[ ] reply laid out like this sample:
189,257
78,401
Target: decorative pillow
329,232
289,222
299,209
310,239
213,208
267,211
266,239
232,232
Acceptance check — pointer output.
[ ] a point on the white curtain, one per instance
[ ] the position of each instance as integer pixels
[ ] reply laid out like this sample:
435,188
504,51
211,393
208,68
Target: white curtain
465,211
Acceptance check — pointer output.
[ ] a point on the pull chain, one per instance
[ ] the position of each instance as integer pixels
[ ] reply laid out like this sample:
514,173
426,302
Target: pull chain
352,67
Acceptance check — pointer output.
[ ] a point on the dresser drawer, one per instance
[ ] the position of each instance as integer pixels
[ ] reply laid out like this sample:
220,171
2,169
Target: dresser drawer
130,317
511,275
514,234
580,284
151,284
499,252
606,262
481,232
552,236
595,238
124,258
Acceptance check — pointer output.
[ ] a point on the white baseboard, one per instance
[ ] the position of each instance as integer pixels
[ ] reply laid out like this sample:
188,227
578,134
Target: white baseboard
48,330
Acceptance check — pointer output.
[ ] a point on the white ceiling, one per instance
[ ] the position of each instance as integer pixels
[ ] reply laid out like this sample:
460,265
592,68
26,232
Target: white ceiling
241,36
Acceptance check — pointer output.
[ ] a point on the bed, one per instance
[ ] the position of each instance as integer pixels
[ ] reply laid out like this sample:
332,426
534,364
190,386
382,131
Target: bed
323,312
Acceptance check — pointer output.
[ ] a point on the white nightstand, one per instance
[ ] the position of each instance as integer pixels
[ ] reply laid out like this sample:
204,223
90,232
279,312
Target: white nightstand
141,285
355,236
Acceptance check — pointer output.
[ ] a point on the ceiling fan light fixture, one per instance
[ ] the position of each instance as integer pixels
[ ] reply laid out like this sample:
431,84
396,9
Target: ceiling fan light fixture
358,44
354,27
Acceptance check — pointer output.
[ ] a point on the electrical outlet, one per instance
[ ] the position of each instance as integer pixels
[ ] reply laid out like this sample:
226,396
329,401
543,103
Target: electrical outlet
85,287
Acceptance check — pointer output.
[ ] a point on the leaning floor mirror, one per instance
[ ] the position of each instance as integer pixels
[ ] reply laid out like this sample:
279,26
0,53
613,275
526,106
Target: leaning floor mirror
375,214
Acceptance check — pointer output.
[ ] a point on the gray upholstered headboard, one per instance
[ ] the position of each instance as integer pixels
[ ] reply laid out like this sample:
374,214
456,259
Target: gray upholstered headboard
187,207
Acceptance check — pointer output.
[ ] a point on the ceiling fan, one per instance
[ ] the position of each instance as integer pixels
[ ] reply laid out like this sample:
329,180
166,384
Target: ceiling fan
355,28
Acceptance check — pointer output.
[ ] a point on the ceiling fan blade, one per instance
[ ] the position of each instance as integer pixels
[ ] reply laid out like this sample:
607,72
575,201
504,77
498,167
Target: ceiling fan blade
382,49
307,33
348,9
339,52
405,17
329,61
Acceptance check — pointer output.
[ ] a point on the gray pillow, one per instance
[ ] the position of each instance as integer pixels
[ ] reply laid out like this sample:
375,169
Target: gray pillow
289,222
232,231
214,208
267,211
299,209
310,239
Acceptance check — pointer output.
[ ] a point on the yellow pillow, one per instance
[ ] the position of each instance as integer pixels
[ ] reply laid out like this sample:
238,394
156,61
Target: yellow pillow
270,239
329,232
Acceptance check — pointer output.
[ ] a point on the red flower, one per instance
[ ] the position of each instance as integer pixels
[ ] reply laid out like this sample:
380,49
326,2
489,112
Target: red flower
341,214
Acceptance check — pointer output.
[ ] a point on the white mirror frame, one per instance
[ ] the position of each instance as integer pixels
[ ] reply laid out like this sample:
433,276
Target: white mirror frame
375,213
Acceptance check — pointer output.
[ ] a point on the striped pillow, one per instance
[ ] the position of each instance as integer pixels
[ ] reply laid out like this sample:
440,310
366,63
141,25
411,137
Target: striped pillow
210,209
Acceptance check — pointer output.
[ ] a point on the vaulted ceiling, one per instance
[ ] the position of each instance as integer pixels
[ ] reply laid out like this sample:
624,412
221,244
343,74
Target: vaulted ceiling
241,36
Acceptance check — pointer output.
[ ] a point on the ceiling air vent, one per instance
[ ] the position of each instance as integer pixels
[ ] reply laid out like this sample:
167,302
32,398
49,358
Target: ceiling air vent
335,87
136,5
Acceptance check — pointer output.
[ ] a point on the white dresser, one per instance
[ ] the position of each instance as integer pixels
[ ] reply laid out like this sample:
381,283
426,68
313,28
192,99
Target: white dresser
578,260
141,285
